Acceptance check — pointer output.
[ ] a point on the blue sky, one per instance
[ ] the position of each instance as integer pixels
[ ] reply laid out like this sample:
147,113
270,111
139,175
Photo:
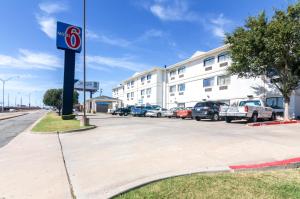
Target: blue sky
124,37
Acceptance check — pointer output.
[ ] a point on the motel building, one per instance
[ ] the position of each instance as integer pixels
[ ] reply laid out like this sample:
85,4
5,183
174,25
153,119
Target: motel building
201,77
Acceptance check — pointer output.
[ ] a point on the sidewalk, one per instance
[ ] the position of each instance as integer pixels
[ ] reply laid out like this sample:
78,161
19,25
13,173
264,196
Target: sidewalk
31,166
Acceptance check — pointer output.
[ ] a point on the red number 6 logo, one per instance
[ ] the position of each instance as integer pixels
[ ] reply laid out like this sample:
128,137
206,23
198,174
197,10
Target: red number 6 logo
73,37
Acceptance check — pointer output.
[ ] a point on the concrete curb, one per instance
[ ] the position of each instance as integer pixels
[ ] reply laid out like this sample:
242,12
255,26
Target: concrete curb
145,181
79,130
9,117
292,163
274,123
63,132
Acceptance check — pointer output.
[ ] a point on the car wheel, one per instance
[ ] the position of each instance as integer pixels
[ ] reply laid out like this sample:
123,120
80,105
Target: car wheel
198,118
120,114
215,117
254,118
158,114
125,114
183,118
228,119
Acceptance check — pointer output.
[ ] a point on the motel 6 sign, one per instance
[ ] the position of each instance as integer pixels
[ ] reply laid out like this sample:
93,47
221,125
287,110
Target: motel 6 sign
68,37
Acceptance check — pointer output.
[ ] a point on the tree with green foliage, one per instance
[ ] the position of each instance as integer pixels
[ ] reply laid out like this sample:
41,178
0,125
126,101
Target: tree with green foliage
264,45
53,97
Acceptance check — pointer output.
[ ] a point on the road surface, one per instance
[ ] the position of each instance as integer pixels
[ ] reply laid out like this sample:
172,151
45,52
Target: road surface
10,128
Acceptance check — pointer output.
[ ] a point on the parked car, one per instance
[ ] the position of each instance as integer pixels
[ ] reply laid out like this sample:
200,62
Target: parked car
123,111
251,110
158,112
184,113
142,110
113,111
207,110
173,112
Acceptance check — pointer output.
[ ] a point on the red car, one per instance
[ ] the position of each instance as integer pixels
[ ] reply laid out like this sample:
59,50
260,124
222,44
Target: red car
184,113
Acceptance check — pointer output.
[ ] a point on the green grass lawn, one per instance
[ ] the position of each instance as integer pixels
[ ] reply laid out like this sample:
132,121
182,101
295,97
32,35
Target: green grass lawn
52,122
270,184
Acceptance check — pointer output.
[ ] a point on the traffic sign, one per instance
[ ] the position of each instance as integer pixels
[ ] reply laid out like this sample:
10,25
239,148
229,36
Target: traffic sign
68,37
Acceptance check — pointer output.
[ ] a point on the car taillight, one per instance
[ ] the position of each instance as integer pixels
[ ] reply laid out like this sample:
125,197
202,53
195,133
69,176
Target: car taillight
246,108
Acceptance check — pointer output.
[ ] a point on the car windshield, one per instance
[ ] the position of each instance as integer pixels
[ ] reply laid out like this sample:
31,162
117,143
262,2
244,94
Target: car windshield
250,103
202,104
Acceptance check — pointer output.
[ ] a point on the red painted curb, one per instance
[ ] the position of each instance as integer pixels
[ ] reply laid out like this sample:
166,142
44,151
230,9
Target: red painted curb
267,164
274,123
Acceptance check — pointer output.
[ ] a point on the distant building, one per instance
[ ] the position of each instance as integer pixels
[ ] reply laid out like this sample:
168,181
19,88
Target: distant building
201,77
101,104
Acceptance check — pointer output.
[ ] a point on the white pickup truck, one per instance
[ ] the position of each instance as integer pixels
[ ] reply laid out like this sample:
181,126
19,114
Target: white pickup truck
251,110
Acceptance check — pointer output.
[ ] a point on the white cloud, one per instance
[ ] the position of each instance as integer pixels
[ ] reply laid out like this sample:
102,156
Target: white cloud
152,33
107,39
45,19
31,60
53,7
219,24
124,62
47,25
177,10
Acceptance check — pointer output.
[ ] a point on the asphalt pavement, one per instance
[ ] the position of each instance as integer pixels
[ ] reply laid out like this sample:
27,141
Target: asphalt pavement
10,128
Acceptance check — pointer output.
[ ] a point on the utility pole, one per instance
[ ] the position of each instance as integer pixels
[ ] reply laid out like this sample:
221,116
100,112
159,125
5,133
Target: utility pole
85,121
29,102
8,100
3,86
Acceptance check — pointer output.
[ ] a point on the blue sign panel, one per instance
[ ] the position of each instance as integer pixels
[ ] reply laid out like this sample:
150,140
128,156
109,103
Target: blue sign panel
68,37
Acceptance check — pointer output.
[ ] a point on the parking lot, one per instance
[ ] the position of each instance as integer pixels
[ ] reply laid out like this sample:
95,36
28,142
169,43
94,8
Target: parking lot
126,151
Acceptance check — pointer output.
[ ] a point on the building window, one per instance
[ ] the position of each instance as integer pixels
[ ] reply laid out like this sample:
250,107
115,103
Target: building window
181,87
132,94
148,91
172,89
143,92
128,96
128,84
224,80
132,83
209,61
149,77
172,73
181,70
208,82
223,57
143,79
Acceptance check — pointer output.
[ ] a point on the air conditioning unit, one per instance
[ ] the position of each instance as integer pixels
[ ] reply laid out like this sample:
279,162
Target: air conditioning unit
223,87
148,81
172,94
208,89
181,93
180,76
172,78
224,64
148,96
208,68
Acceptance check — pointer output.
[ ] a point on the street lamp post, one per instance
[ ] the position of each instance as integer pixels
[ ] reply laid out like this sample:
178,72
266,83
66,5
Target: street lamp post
85,120
3,86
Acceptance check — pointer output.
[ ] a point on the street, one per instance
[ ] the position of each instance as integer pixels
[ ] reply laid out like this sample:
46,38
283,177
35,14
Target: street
10,128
